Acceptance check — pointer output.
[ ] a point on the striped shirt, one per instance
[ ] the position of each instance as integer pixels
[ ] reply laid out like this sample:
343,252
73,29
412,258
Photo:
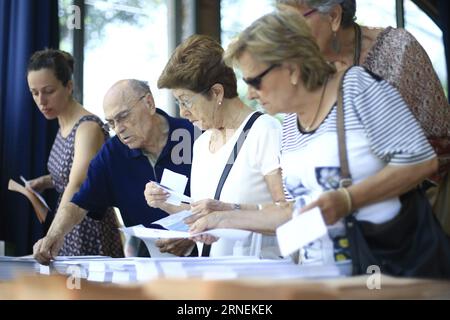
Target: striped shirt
380,131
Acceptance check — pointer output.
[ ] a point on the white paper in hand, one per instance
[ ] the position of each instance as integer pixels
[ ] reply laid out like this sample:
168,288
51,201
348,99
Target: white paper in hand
175,184
37,194
148,233
175,222
301,230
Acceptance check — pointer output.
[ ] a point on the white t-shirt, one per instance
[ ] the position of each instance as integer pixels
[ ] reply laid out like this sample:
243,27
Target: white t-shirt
380,130
259,155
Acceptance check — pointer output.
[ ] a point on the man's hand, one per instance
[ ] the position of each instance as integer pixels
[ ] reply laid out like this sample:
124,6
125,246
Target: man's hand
155,196
178,247
47,248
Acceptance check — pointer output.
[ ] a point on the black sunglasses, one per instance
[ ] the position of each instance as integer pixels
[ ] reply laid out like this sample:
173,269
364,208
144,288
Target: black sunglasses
255,82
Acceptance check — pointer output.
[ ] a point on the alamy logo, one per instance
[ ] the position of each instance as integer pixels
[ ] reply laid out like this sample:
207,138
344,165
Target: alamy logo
74,280
74,19
374,280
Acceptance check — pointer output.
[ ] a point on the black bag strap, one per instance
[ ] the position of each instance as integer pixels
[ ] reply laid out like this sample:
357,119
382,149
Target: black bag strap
235,152
226,171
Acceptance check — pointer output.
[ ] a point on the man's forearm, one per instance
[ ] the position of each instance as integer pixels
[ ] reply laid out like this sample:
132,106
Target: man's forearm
65,219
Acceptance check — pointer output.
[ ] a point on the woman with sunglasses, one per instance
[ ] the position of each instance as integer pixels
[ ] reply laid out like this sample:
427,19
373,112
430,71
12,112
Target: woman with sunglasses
206,92
396,56
387,151
79,138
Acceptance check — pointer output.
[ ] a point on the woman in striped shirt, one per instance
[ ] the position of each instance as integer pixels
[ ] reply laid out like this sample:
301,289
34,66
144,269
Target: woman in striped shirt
388,153
395,55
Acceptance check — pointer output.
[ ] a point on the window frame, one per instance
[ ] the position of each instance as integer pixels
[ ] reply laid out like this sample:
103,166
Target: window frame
176,31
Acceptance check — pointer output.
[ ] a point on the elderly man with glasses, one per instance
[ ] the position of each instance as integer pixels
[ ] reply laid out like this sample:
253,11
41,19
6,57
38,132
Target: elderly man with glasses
147,141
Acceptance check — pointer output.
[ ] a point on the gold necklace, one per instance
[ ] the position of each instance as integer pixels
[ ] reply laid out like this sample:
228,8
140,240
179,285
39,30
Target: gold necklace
318,108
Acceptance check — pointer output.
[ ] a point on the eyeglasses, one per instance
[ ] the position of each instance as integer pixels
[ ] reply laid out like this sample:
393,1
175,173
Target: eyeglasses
255,82
309,12
188,103
120,117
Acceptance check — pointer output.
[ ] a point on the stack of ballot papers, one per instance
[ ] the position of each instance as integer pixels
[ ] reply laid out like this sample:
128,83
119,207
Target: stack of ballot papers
136,270
149,236
10,267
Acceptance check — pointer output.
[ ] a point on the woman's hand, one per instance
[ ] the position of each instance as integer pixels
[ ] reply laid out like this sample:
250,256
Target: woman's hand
40,184
201,224
333,204
205,207
155,196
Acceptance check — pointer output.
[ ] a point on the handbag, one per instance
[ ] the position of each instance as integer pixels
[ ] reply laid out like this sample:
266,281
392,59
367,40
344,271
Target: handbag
412,244
231,159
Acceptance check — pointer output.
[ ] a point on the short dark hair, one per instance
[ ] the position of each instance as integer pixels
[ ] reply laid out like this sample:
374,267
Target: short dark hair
60,62
197,65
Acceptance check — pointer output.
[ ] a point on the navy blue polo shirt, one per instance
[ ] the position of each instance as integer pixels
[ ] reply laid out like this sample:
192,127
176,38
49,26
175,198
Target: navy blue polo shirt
117,175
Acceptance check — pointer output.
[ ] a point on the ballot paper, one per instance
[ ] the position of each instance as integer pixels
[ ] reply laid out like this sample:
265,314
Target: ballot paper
37,194
135,269
300,230
175,197
39,205
175,221
148,233
172,222
175,184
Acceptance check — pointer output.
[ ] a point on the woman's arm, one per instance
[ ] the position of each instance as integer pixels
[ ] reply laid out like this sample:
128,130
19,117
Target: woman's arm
89,139
274,183
48,247
391,181
265,221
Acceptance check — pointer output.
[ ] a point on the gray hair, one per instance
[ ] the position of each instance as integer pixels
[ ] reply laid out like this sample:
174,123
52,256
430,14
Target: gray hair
325,6
139,86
